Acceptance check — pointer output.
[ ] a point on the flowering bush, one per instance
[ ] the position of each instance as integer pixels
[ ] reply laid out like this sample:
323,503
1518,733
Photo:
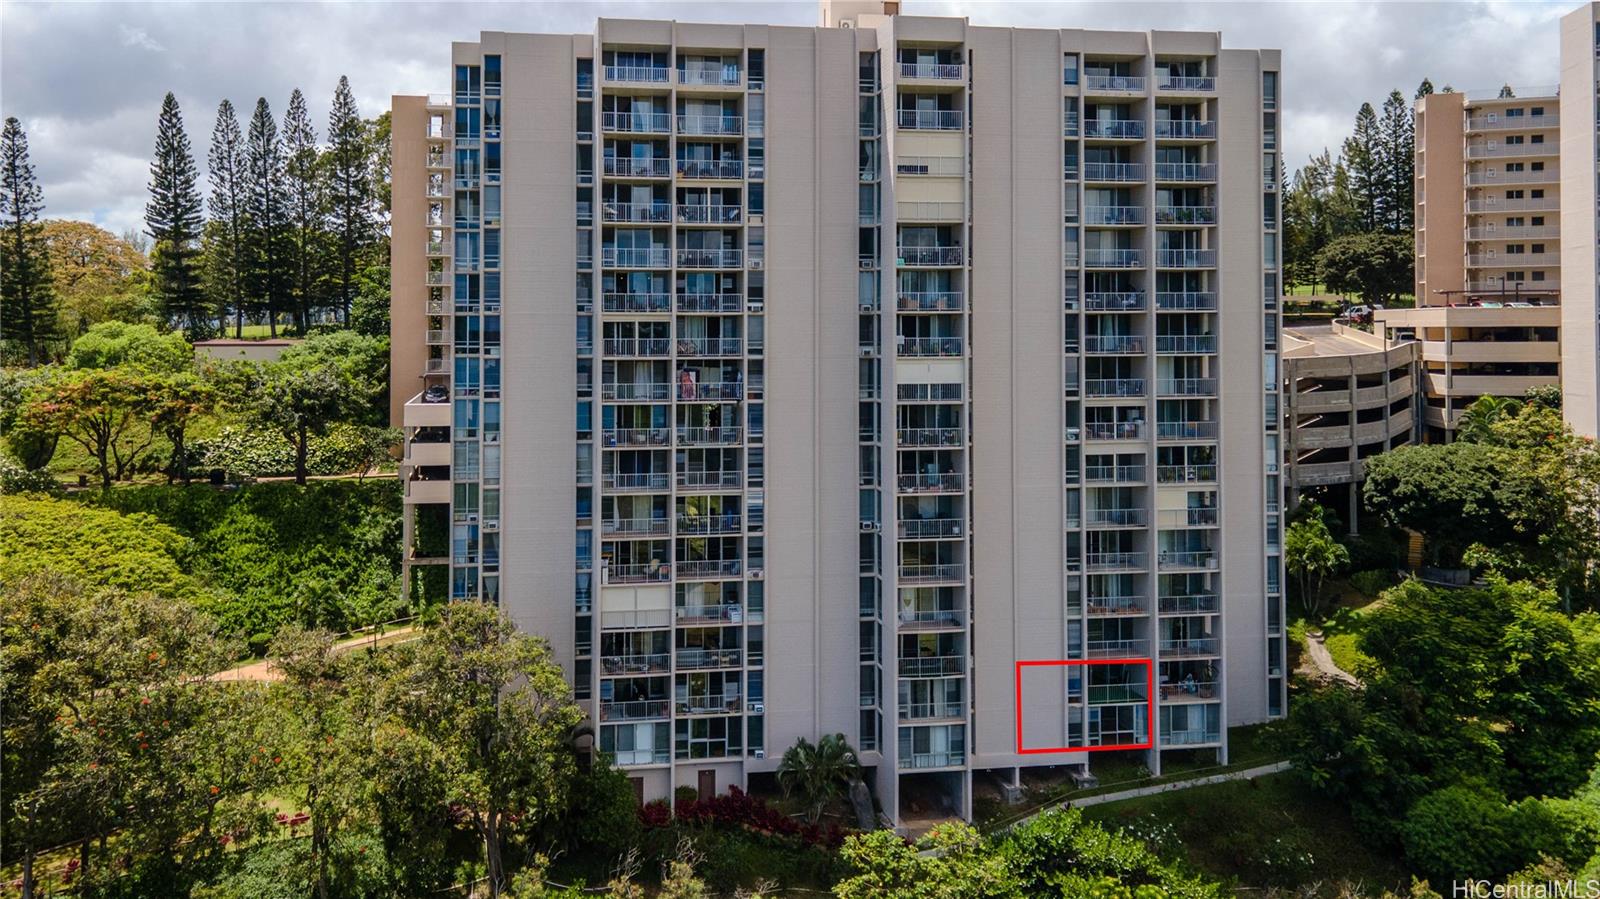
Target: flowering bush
740,809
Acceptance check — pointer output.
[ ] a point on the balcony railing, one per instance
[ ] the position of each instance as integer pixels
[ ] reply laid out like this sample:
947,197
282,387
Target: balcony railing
1115,605
725,436
1513,123
712,614
712,74
1114,301
1186,171
711,169
635,436
650,480
625,257
699,659
1512,260
1113,129
1185,129
1186,343
1095,257
1481,205
636,212
929,119
633,526
1113,171
638,167
612,664
1070,124
1190,737
1535,232
1187,558
1484,151
1186,215
637,302
1114,343
636,122
1102,387
932,666
724,478
710,346
697,258
633,711
1492,177
920,528
637,346
1121,83
710,302
1193,646
713,214
708,704
1187,301
726,523
1186,430
1116,518
1113,215
654,572
711,390
927,346
1114,430
708,569
909,437
1104,561
929,711
1189,604
1186,474
929,483
920,760
1186,387
1101,649
1113,474
710,124
1186,83
933,71
1186,258
928,301
931,574
940,256
638,74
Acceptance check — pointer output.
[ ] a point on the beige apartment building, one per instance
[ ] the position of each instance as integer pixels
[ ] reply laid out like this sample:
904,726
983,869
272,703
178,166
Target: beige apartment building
803,380
1505,241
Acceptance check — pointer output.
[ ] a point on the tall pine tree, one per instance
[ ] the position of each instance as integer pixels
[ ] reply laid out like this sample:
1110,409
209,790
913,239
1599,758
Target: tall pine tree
1363,161
266,283
173,219
350,195
306,208
1398,143
28,306
226,251
1424,89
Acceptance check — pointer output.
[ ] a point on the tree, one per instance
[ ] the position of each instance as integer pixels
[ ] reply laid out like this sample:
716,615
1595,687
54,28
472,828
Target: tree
350,194
299,399
1363,156
97,276
818,773
266,199
1424,89
27,298
1312,555
306,209
491,711
1477,420
1460,832
1453,494
1376,267
102,410
227,252
173,218
115,344
178,401
364,360
1398,143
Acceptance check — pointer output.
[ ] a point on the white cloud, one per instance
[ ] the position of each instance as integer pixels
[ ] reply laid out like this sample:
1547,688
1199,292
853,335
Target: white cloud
138,37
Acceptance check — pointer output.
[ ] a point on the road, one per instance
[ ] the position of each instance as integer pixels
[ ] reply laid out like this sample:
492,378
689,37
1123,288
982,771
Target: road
264,671
1326,343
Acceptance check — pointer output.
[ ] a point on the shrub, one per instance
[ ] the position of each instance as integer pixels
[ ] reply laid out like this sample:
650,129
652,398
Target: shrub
100,546
1460,832
684,795
1567,830
1373,581
14,478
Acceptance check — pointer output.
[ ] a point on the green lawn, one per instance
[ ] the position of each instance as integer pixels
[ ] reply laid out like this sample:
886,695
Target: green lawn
1270,832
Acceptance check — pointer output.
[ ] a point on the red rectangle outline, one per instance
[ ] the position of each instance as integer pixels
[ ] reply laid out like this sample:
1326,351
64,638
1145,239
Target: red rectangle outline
1150,673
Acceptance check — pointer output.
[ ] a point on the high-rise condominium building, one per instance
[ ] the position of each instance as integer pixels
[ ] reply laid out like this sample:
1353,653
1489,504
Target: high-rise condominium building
796,381
1506,228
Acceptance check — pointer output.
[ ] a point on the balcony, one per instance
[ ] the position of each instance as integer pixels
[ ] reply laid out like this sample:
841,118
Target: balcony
711,170
1190,604
1114,474
1190,737
700,525
1502,151
1186,474
1173,559
653,213
929,301
1115,649
928,119
637,346
950,482
1492,178
1185,129
707,570
930,256
636,122
637,74
637,302
708,704
1113,129
1117,561
637,167
426,492
693,659
704,259
933,666
1196,344
1186,258
437,337
1193,646
612,665
917,761
931,528
613,437
1122,84
710,125
638,710
1187,301
1113,171
914,437
932,711
1197,517
650,573
624,257
927,346
1116,518
1114,344
710,346
651,481
1186,84
1170,387
1114,430
710,479
1095,257
1114,301
911,574
438,279
712,390
1187,172
1069,123
1113,215
709,75
725,436
712,614
712,214
1115,606
1114,387
930,71
1491,205
1186,215
633,527
1540,232
710,302
1512,260
1513,123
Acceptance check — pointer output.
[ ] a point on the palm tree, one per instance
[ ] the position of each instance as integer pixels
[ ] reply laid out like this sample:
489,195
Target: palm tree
818,773
1477,420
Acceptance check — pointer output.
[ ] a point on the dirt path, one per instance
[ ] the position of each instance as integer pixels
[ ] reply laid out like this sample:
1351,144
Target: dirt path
263,670
1322,661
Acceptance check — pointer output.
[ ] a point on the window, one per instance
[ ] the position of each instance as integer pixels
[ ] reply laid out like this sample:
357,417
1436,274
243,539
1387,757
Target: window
1069,69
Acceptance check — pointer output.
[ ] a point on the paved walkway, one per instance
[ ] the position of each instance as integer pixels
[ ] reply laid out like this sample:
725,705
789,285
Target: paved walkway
1137,792
264,670
1322,660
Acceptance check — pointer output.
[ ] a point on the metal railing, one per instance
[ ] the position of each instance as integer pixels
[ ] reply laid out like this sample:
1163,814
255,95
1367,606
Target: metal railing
920,760
929,301
1114,343
1110,560
1186,343
1114,648
694,658
929,119
1114,301
633,710
708,614
1186,215
933,71
928,711
637,574
710,214
708,569
1115,605
637,74
699,258
932,666
1186,258
710,302
1096,257
1116,517
1186,83
1113,215
1513,123
650,480
1189,737
919,528
637,302
629,257
635,212
927,346
712,169
710,346
1186,387
1194,646
1186,430
929,483
635,436
1189,604
1113,171
727,478
714,74
637,167
636,122
634,663
633,526
1125,83
723,436
637,346
1186,171
1187,558
726,523
929,255
1192,300
1114,430
710,124
1185,474
1113,474
909,437
1100,387
1118,129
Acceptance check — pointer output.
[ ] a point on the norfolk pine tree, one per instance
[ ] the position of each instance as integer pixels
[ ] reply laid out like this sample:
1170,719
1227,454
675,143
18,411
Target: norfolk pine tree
306,209
1363,158
1399,149
350,195
226,257
173,219
29,317
268,215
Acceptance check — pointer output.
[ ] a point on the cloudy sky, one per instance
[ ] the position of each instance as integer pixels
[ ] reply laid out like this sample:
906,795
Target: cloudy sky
87,79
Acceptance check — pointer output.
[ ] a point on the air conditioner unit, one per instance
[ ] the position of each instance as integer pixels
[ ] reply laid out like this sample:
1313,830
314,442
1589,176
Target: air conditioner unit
757,708
758,753
757,574
755,306
868,351
755,265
